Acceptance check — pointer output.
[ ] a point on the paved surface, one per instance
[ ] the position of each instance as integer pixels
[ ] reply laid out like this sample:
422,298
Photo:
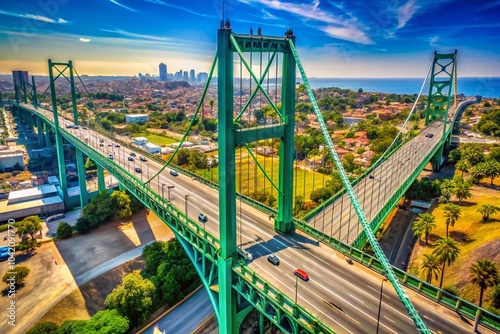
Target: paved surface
353,287
397,240
186,317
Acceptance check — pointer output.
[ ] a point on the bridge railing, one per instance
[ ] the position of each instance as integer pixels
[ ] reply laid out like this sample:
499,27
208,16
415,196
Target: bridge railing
195,235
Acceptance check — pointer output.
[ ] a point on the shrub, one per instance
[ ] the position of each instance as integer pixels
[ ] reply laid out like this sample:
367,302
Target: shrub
19,273
43,328
64,230
495,296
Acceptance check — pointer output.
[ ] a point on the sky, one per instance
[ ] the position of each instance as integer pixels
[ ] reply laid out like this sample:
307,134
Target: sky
336,39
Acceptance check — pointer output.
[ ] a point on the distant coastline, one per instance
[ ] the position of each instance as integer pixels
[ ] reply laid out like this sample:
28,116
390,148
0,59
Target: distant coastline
484,86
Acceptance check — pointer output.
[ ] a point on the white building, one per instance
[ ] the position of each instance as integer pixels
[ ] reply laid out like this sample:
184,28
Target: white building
136,118
8,159
140,141
151,148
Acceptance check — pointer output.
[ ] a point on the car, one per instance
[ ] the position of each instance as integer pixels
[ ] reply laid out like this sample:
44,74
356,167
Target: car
110,156
173,172
101,144
143,159
301,274
138,170
75,127
273,259
84,128
132,154
117,145
4,253
202,218
69,126
101,140
110,144
429,135
131,159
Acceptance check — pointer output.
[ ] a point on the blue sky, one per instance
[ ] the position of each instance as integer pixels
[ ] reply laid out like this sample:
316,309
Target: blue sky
355,38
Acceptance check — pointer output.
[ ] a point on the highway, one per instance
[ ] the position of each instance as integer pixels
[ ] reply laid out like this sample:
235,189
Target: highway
343,296
339,218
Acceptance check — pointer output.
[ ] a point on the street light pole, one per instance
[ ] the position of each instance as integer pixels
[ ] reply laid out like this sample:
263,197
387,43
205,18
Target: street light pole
380,302
162,190
186,205
296,288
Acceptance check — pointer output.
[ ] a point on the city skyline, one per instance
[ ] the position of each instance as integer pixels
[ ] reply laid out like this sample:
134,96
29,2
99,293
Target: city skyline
338,40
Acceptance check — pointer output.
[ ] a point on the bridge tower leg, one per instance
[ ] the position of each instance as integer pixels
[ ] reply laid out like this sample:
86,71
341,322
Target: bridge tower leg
82,180
443,76
101,185
46,130
39,130
34,98
231,137
59,139
73,93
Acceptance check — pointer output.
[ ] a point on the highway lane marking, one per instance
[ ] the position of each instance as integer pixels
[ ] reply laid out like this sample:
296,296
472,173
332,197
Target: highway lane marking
311,270
389,319
362,302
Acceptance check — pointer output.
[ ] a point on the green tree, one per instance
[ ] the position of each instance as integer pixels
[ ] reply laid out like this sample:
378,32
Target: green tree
29,225
211,103
487,210
133,298
490,168
461,188
321,195
90,165
16,275
446,250
454,156
430,267
64,230
473,154
424,225
495,296
182,156
107,322
463,166
484,273
43,328
122,202
298,204
447,187
452,213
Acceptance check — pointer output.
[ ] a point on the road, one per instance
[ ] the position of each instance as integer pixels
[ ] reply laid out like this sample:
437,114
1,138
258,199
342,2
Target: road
186,317
353,288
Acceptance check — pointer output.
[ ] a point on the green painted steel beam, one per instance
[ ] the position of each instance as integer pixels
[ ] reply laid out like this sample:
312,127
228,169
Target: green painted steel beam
73,93
357,207
82,181
259,43
262,169
242,136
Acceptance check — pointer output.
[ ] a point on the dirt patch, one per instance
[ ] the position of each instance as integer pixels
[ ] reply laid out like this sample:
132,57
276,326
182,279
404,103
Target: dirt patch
84,302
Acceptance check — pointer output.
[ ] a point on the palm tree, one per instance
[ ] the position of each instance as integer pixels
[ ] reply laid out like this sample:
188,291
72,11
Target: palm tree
484,273
446,250
486,210
447,187
431,267
462,188
424,225
462,166
452,213
211,103
490,168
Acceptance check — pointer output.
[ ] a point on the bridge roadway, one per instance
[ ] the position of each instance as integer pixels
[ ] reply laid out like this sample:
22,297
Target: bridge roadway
345,297
339,218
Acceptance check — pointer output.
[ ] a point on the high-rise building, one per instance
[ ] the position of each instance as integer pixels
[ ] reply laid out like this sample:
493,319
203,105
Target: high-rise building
186,76
192,76
163,72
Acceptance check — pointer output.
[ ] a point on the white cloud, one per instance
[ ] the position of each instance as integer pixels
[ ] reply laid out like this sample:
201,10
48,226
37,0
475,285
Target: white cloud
405,13
33,17
122,5
433,40
348,34
268,16
84,40
134,35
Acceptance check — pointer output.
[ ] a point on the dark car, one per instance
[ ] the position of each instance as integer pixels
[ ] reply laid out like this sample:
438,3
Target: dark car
429,135
301,274
202,218
132,154
101,144
143,159
273,259
173,173
84,128
138,170
130,158
117,145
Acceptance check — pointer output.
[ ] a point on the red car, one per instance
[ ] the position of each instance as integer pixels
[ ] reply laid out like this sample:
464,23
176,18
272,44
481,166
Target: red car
301,274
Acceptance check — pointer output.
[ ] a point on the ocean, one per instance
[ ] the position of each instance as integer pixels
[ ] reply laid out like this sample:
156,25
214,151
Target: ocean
484,86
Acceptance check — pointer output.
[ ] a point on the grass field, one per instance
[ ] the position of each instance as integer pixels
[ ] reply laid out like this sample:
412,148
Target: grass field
304,180
477,240
156,139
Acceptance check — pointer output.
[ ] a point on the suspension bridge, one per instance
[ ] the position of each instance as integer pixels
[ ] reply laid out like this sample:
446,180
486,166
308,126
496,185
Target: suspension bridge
229,250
